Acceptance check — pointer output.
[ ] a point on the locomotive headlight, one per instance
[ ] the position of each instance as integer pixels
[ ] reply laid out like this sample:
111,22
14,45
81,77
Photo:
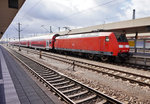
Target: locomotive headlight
120,46
107,39
127,46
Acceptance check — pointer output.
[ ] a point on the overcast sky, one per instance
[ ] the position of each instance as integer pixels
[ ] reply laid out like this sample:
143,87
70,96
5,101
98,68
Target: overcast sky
36,16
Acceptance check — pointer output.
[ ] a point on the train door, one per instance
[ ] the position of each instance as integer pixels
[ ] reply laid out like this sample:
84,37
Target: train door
102,44
47,44
104,48
107,43
50,44
26,43
30,43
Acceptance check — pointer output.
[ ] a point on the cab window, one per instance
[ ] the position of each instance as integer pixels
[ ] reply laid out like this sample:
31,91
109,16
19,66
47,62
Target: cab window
121,37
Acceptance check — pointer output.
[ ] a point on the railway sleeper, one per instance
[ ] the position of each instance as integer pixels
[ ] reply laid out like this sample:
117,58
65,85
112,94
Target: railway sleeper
78,94
66,86
44,72
72,90
83,96
61,83
47,74
88,98
69,88
50,76
35,68
57,80
54,78
102,101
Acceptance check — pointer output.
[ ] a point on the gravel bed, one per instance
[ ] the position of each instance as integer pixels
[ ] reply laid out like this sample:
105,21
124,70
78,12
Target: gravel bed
116,88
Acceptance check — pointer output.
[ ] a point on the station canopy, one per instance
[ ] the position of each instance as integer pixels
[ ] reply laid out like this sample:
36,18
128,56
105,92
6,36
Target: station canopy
8,10
141,25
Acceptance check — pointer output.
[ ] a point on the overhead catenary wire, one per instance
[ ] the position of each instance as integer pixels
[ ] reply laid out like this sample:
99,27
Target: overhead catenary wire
31,9
76,13
79,12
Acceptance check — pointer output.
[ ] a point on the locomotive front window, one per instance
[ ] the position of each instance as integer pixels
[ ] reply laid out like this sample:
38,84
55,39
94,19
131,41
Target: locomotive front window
121,38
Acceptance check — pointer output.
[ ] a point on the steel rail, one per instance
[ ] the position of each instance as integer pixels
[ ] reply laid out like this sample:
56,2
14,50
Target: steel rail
59,93
94,68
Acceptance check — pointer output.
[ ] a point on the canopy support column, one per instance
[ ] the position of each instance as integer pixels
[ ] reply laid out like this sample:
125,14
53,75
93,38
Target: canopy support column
136,37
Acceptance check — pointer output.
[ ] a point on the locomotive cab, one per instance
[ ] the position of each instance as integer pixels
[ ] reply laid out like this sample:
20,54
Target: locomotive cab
123,46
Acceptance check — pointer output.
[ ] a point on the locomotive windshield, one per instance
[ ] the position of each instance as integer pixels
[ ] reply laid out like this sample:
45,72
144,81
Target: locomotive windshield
121,37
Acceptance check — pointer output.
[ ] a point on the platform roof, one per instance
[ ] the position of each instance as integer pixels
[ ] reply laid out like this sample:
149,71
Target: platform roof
8,10
141,25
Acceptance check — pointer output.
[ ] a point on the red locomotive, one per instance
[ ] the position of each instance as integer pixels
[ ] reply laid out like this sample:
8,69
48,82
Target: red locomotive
99,44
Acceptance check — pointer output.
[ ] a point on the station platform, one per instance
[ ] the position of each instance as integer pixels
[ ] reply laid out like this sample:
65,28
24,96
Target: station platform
17,87
141,55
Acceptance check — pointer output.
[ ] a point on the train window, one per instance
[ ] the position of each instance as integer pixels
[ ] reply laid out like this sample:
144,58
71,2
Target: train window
50,42
47,43
107,39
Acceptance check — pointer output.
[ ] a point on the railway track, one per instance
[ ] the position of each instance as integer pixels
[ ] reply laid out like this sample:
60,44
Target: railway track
67,89
127,76
132,63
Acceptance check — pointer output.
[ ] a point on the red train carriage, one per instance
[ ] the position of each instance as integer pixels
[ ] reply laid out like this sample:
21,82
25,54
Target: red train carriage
41,42
15,42
24,42
103,44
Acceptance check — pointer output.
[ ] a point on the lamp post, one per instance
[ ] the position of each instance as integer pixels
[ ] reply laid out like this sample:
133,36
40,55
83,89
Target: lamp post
19,35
